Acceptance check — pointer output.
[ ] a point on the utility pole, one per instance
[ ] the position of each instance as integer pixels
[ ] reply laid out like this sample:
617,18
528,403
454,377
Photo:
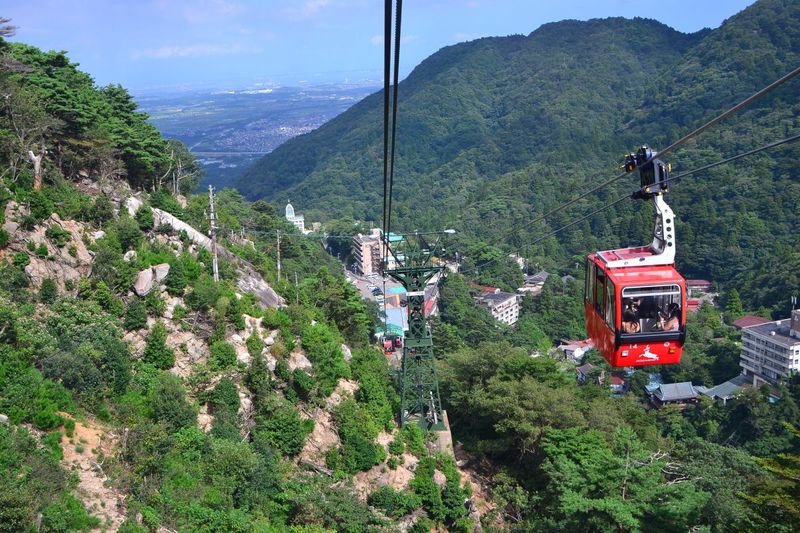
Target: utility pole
279,255
296,289
419,401
212,232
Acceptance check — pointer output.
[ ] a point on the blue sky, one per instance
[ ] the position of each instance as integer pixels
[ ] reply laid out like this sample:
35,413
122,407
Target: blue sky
149,43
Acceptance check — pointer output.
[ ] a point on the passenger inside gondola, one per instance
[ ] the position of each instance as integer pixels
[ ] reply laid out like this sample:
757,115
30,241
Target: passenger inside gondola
671,320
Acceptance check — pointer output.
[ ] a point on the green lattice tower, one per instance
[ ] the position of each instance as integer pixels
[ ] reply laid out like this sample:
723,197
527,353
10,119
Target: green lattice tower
419,401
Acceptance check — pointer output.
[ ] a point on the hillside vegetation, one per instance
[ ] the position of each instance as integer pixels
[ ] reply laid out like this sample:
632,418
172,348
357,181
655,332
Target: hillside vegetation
138,394
495,131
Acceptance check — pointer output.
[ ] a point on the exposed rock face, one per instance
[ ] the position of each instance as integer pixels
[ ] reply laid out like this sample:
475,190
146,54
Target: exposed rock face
149,277
161,271
144,282
129,256
249,280
67,263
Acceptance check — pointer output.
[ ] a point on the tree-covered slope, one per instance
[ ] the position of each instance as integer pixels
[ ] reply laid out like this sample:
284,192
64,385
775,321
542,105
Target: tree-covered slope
494,131
475,111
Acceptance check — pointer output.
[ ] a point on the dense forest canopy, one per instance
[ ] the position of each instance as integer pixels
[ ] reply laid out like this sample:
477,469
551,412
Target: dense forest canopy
494,132
195,406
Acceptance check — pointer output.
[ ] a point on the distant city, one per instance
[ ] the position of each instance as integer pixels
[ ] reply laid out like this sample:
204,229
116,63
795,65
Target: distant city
228,129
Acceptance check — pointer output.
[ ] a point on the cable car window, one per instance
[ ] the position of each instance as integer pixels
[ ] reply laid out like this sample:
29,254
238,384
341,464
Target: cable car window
598,291
651,309
589,282
610,298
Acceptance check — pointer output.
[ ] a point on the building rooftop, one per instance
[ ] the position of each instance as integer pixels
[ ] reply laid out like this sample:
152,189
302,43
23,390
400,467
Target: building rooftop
539,277
727,390
778,332
497,297
672,392
749,320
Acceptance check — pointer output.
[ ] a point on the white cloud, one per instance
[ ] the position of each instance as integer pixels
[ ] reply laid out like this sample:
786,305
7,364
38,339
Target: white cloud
193,50
309,9
460,36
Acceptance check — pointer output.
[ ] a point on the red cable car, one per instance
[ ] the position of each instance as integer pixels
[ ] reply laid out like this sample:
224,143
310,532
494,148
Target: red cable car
635,300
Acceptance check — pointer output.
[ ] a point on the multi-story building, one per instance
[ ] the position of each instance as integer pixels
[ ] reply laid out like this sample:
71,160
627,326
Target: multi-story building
298,220
503,306
367,252
771,351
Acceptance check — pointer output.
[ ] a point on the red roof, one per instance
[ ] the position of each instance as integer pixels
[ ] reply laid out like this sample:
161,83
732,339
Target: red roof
616,380
698,283
484,288
749,320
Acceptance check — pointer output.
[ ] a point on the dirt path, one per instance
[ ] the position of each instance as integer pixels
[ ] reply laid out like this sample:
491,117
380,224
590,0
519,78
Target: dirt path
81,455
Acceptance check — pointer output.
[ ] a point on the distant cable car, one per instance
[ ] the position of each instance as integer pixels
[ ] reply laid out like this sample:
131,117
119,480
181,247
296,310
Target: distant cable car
635,300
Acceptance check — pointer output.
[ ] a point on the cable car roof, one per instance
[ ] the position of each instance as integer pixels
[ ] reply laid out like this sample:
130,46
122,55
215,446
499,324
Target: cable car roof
640,275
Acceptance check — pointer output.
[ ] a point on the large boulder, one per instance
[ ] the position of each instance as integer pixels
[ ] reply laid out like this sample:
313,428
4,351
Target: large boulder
161,271
144,282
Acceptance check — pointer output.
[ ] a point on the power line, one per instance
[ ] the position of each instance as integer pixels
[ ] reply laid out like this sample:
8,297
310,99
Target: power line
787,140
674,146
398,17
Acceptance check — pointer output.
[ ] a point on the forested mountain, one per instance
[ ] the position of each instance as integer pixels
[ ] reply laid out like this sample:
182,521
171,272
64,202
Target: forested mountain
495,131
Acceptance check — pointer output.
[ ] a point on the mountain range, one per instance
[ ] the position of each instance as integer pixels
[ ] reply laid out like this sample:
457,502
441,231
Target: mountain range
493,132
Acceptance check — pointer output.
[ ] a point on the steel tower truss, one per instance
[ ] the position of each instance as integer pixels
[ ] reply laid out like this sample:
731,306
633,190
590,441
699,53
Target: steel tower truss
411,258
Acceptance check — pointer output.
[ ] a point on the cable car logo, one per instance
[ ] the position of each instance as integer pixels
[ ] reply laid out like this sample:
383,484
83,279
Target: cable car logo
649,355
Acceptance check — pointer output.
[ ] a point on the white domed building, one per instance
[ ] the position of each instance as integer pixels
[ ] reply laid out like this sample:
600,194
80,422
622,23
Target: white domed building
298,220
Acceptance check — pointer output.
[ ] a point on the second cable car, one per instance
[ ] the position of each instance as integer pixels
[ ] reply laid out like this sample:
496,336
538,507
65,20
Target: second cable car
635,300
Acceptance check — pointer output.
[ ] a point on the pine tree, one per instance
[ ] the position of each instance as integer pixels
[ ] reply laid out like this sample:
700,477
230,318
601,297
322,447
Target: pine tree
734,309
156,352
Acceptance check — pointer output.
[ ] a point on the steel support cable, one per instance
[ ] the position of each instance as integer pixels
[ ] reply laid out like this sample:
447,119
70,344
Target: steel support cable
398,18
676,177
683,140
387,44
674,146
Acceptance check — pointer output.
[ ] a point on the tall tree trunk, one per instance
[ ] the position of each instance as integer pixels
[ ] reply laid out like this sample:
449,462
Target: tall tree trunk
37,169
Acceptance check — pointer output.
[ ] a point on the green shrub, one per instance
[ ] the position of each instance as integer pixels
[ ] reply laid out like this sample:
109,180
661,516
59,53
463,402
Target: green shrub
67,514
357,432
394,503
414,439
144,217
106,299
225,396
223,355
135,315
48,291
168,404
42,250
156,351
302,383
102,211
4,238
176,279
52,441
128,233
397,447
162,199
72,250
59,236
20,260
281,427
155,303
179,312
204,294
